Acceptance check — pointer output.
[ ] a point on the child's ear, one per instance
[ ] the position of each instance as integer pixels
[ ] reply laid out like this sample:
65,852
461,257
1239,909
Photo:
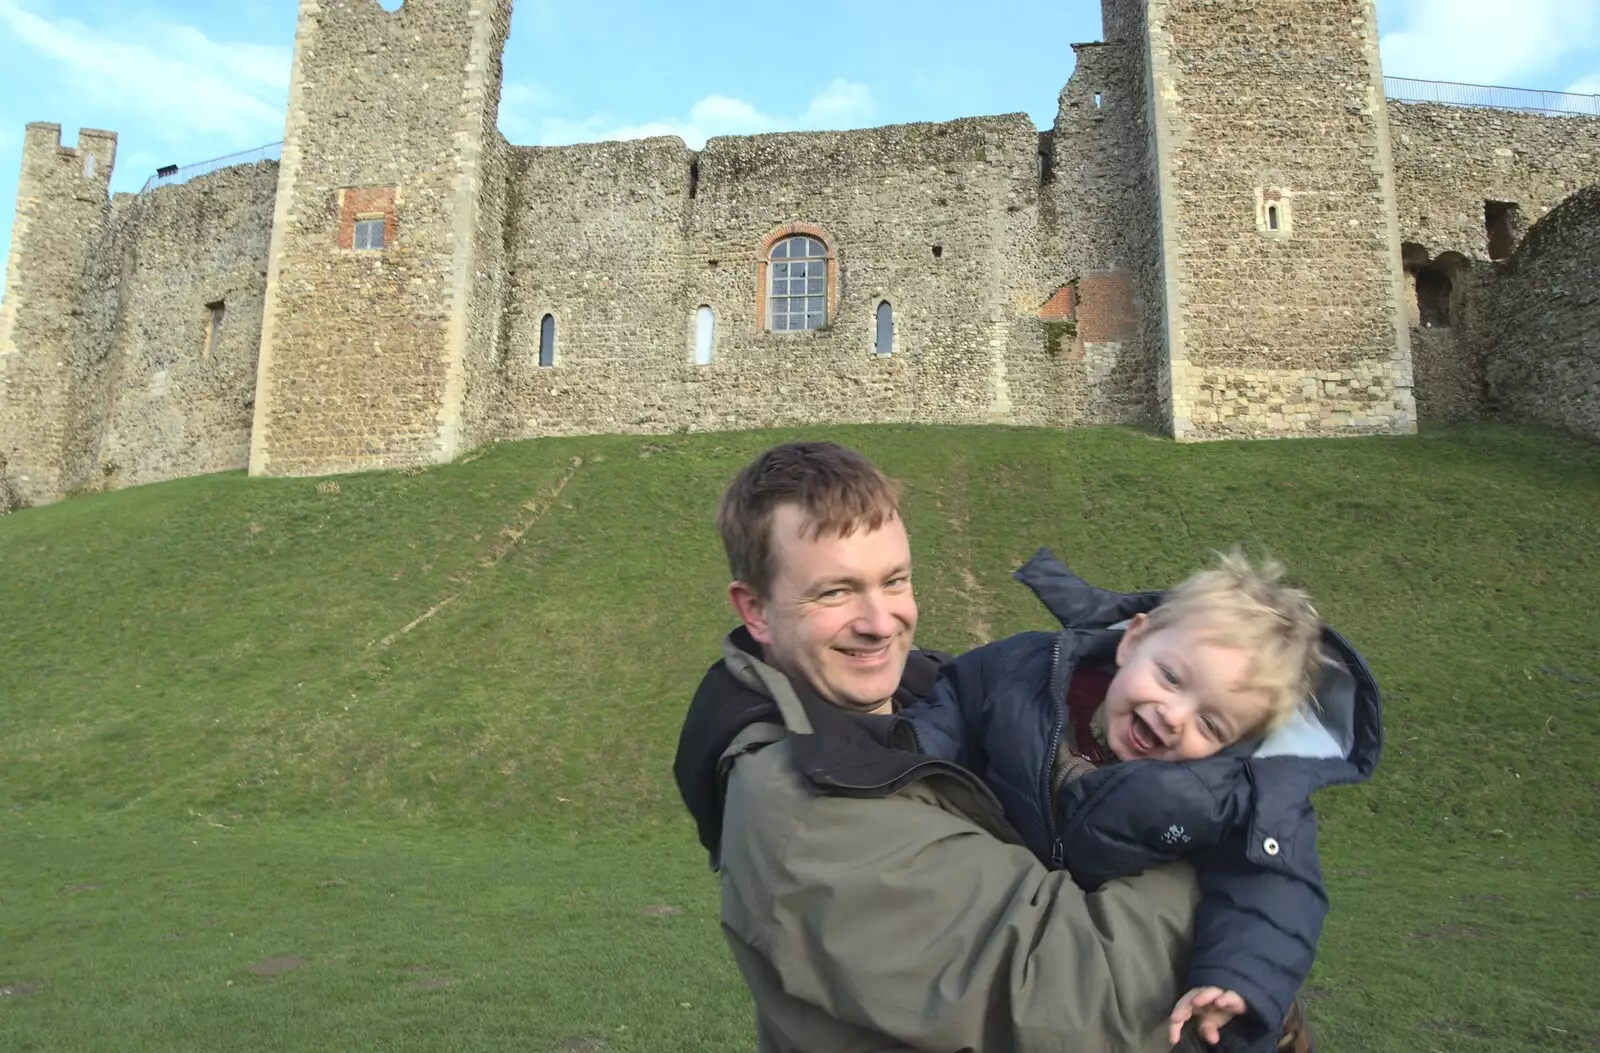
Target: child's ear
1138,625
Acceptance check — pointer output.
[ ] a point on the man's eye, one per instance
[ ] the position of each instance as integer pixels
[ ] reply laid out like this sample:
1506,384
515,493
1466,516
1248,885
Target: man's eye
898,583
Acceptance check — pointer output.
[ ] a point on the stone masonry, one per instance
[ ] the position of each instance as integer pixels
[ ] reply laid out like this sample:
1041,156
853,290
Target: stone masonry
1227,232
1541,331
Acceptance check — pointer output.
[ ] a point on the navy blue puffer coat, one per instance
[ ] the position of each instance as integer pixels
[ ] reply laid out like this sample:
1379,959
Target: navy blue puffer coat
1244,816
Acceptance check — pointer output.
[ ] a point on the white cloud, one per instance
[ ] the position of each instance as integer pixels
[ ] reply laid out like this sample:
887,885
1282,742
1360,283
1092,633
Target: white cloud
841,104
1503,42
1589,85
171,78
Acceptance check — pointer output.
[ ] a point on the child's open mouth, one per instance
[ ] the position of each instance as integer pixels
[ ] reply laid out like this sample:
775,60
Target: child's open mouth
1142,736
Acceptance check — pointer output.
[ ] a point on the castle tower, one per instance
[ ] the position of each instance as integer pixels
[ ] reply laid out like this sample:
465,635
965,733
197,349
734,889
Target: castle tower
1279,272
61,206
370,331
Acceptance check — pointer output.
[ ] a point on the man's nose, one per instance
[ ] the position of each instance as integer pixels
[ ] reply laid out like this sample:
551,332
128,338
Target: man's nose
875,617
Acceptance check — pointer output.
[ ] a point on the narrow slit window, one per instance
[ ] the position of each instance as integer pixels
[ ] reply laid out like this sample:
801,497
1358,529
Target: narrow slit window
215,313
1098,97
1272,217
547,341
705,335
883,337
369,233
88,167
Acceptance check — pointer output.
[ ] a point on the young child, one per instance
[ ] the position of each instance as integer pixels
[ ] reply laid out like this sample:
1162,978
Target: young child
1212,684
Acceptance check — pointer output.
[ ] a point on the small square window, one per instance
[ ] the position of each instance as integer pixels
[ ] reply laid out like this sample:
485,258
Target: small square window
369,234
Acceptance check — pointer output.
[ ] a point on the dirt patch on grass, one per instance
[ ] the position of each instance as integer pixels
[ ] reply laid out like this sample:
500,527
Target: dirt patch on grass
436,983
21,989
75,890
1449,932
661,912
283,963
582,1044
1464,1028
1483,897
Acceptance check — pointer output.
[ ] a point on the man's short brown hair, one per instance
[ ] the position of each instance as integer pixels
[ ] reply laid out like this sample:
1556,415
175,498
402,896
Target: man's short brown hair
837,489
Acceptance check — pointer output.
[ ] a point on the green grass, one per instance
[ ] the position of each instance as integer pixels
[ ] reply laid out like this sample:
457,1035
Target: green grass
219,745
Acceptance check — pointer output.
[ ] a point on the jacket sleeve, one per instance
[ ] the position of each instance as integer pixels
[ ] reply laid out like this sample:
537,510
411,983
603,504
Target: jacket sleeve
1257,927
901,916
1126,818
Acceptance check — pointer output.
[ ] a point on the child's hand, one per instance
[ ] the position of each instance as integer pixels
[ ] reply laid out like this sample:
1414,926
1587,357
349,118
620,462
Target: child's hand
1211,1008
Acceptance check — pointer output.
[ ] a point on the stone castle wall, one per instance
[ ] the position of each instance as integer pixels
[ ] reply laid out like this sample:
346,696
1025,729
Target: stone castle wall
1450,160
62,200
1452,166
1227,232
623,243
1540,322
1281,256
365,360
163,366
1100,225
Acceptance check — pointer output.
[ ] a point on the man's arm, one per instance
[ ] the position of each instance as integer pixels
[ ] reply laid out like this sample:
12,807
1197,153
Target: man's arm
901,916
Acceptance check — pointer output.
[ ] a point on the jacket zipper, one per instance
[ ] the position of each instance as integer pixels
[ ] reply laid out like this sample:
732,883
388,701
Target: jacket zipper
1055,768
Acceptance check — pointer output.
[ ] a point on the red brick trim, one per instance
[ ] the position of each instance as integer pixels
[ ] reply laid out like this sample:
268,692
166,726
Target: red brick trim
1062,305
365,201
765,259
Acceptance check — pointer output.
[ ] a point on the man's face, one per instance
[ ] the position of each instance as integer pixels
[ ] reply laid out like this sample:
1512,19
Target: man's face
840,614
1178,695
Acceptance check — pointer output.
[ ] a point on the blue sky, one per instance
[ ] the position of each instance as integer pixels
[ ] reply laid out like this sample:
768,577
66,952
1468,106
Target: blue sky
186,80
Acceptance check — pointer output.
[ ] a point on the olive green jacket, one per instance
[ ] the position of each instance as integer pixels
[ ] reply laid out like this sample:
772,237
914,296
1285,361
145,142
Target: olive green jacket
876,900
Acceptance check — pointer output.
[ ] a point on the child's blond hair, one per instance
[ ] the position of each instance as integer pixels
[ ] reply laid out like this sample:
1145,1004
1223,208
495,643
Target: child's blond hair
1241,604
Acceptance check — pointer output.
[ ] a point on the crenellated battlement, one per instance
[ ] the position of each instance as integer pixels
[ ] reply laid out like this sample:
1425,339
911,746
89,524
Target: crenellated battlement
62,196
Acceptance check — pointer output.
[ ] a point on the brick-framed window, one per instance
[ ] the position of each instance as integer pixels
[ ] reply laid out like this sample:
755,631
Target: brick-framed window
367,218
797,280
369,233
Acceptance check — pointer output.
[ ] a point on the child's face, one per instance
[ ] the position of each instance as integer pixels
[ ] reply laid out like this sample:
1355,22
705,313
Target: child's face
1177,695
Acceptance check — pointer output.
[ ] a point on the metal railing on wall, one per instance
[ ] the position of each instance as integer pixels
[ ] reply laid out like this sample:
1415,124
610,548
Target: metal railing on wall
1400,89
173,175
1549,103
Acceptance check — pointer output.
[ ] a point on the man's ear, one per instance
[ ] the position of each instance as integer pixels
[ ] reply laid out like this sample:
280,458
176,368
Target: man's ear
752,611
1137,626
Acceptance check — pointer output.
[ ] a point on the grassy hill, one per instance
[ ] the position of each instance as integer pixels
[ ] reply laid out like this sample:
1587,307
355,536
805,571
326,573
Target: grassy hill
384,761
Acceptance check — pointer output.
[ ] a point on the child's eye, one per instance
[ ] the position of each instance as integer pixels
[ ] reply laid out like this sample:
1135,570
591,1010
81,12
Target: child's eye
1213,728
1167,674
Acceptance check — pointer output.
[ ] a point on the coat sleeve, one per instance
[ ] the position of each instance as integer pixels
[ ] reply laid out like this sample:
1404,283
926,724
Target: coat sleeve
1126,818
1257,927
902,917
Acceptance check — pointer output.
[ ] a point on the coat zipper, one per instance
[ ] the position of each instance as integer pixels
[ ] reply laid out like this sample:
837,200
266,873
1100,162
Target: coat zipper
1055,768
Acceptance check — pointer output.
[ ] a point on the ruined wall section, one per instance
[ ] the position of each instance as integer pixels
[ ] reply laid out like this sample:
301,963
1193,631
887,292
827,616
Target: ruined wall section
62,201
1470,182
1099,209
164,367
1541,320
623,243
1280,241
1450,161
365,356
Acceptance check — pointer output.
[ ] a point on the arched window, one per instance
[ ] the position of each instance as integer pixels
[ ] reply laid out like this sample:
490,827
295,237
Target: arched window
547,341
883,339
797,284
705,335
